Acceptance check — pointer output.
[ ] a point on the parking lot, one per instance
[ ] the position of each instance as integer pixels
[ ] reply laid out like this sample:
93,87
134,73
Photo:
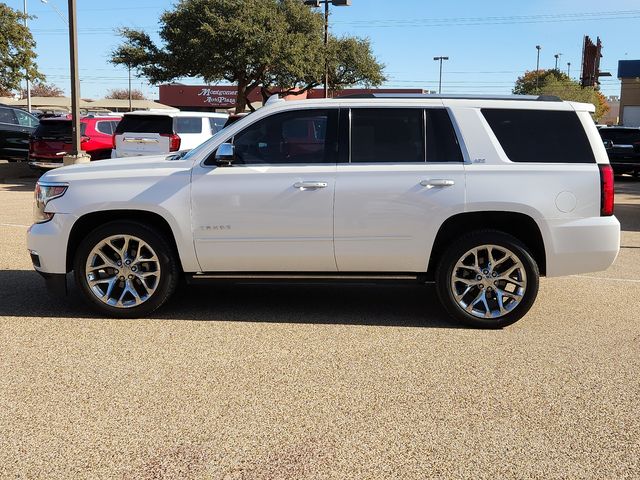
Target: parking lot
318,381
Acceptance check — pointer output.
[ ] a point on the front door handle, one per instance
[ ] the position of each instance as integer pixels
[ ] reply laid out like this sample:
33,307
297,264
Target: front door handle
310,185
437,182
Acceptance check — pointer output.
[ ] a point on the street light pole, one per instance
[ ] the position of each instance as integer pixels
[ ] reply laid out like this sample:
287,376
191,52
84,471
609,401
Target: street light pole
26,66
326,49
557,56
440,59
538,48
130,99
316,4
569,69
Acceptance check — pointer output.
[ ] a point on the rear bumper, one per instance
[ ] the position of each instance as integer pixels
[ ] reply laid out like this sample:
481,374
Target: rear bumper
582,246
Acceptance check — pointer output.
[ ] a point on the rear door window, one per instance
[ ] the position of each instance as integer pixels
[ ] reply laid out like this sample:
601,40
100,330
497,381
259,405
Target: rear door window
442,142
188,125
543,136
146,124
387,135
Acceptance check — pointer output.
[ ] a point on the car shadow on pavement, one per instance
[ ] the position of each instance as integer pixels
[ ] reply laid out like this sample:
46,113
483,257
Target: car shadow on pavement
361,304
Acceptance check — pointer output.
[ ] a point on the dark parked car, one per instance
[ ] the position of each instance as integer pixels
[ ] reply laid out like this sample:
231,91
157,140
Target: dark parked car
623,147
16,126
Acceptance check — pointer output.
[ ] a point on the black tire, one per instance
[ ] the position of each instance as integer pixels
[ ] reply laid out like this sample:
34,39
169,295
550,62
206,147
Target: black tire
167,265
457,251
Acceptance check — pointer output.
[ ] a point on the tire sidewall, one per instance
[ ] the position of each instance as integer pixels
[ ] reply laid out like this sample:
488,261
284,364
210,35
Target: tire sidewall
459,248
168,267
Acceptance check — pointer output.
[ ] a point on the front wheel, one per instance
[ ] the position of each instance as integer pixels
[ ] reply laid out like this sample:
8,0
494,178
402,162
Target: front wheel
126,269
487,279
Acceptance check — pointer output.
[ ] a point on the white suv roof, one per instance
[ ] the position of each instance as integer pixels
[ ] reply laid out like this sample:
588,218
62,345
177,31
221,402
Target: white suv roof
165,113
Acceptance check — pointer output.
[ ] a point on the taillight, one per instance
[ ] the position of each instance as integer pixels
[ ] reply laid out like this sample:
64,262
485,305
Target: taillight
113,141
606,190
174,141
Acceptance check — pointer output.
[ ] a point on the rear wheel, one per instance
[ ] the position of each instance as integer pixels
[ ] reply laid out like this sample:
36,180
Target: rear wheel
126,269
487,279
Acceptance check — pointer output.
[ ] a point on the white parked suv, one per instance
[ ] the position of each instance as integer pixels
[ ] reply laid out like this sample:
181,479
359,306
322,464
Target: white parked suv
480,194
157,132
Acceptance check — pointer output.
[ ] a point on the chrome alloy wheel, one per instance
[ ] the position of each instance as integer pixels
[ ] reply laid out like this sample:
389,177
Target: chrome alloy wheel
488,281
122,271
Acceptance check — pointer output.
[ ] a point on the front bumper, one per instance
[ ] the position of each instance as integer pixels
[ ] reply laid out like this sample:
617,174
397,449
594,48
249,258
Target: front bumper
49,241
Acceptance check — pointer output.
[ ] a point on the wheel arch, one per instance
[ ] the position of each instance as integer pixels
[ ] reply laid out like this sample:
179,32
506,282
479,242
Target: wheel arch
519,225
90,221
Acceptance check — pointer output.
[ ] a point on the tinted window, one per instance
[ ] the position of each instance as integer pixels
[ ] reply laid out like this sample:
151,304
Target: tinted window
188,125
387,135
25,119
620,136
540,135
57,129
291,137
105,127
442,143
145,124
6,116
217,124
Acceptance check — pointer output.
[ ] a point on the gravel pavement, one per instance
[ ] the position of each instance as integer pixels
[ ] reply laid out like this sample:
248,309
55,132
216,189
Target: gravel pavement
314,382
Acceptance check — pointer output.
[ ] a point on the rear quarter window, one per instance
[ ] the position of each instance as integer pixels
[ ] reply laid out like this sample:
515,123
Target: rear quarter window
542,136
188,125
145,124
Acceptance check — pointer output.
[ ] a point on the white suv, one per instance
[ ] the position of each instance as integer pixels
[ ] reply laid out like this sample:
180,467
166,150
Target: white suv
482,195
154,133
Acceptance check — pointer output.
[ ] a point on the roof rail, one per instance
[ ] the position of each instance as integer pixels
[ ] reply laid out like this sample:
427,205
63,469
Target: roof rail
539,98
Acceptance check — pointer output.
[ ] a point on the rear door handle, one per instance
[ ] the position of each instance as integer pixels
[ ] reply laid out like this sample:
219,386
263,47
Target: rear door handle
310,185
437,182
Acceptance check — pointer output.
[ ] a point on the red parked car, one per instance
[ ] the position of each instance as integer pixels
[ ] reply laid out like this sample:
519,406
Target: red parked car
52,140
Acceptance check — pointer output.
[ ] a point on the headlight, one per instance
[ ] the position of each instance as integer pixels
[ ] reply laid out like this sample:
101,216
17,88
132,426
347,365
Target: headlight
45,192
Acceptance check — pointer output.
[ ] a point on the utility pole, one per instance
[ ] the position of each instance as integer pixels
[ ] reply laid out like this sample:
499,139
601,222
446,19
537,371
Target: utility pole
76,155
538,48
440,59
26,66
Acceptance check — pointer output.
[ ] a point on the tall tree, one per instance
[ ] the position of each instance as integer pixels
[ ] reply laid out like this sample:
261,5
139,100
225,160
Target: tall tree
531,81
17,50
268,44
123,94
555,82
572,91
41,89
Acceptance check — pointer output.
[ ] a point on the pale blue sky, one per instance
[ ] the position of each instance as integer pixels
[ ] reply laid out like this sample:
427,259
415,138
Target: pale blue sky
489,43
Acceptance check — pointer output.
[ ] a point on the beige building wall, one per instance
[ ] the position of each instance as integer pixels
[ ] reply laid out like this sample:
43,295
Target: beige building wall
629,95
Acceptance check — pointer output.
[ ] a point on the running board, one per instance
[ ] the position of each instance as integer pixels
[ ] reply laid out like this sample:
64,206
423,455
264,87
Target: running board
293,277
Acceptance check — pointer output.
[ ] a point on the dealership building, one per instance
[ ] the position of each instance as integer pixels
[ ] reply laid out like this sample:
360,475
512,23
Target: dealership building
629,75
223,97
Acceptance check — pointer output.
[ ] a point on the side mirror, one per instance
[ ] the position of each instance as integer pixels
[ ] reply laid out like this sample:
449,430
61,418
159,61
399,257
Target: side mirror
608,144
225,155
